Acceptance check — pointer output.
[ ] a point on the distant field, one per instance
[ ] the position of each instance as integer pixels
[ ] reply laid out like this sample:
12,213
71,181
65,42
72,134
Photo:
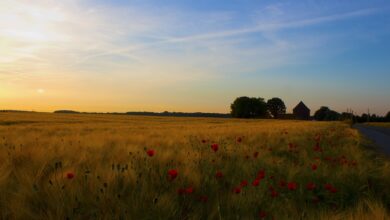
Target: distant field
63,166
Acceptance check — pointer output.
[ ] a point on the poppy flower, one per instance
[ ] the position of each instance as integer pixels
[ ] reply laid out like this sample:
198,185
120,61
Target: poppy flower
262,214
255,154
274,194
282,183
333,190
214,147
310,186
237,190
150,152
261,174
328,186
256,182
218,175
239,140
189,190
172,174
244,183
314,166
292,186
204,141
70,175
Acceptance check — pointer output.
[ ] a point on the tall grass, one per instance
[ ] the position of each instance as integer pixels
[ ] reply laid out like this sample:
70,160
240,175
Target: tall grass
114,177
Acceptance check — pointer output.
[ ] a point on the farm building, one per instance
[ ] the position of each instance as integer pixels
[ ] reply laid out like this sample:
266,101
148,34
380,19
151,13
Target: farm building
301,111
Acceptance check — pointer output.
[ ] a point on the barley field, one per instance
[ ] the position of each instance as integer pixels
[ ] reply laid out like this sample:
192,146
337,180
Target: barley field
73,166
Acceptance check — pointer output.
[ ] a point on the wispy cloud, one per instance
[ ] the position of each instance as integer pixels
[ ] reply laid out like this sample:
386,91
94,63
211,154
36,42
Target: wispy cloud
89,46
259,28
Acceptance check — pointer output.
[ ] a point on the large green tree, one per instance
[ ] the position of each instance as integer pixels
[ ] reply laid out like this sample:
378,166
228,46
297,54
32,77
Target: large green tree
276,107
388,116
325,114
245,107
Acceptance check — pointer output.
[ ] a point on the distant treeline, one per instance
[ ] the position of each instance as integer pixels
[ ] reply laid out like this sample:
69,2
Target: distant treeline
165,113
326,114
372,118
20,111
182,114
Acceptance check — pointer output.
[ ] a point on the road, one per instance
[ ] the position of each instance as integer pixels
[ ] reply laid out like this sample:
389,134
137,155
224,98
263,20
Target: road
379,135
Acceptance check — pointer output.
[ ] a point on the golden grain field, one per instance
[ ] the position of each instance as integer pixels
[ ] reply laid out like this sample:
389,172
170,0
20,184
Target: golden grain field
73,166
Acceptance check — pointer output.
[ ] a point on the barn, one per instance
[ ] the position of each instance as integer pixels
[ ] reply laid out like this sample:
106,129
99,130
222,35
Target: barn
301,111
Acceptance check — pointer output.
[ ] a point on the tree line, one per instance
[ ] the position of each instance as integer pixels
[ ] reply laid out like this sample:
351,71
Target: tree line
252,107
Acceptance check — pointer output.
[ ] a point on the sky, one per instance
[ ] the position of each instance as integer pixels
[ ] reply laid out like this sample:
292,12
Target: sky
181,55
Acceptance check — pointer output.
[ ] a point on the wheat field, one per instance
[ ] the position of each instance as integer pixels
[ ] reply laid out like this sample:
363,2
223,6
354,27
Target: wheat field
74,166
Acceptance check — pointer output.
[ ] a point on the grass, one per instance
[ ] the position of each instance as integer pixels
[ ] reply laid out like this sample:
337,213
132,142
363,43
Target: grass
115,178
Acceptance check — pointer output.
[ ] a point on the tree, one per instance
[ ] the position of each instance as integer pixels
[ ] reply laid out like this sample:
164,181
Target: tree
325,114
276,107
245,107
388,116
320,114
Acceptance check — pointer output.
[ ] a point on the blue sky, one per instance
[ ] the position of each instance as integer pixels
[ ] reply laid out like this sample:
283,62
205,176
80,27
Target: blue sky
95,55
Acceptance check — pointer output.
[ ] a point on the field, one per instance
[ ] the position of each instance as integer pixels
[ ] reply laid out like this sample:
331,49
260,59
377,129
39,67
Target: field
64,166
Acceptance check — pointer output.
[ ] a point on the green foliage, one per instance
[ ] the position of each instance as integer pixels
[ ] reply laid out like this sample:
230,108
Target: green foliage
326,114
245,107
276,107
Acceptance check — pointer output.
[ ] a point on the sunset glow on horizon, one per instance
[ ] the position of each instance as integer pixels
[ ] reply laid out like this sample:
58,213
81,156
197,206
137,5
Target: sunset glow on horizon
118,56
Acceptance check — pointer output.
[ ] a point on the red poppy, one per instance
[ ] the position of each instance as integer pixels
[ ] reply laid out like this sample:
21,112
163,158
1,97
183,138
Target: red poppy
255,154
314,166
282,183
150,152
261,174
274,194
183,191
172,174
317,147
328,186
204,141
70,175
310,186
189,190
244,183
237,190
239,139
256,182
218,175
214,147
292,186
262,214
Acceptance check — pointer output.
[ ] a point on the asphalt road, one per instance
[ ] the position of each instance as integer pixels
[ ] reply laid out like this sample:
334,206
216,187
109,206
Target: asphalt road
379,135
